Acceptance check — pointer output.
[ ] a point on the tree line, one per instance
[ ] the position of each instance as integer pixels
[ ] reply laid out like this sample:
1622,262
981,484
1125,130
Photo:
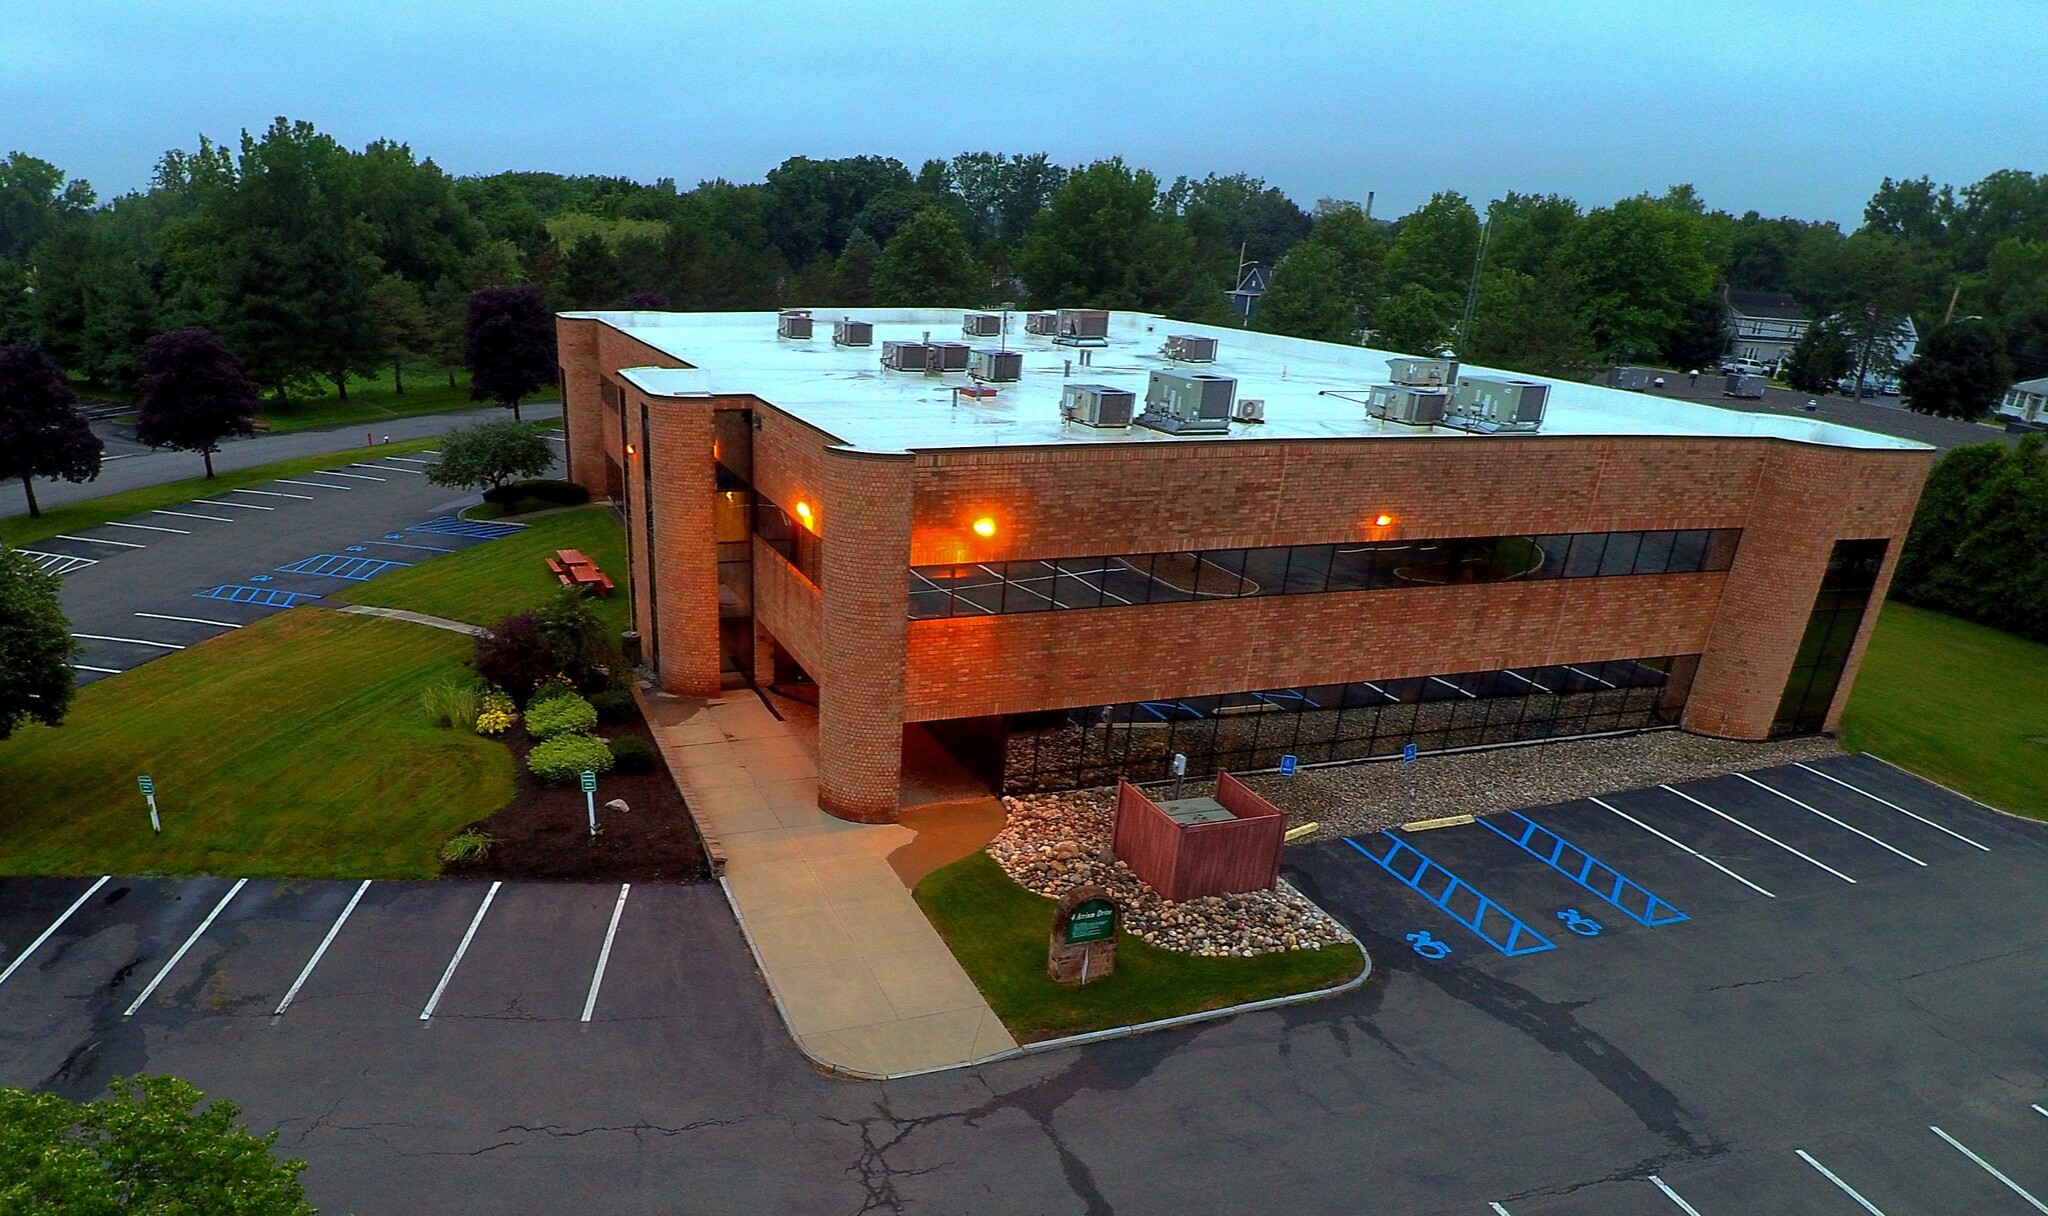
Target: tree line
1979,544
315,262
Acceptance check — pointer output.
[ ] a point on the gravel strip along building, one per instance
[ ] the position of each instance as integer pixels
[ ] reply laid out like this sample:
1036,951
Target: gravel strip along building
1069,546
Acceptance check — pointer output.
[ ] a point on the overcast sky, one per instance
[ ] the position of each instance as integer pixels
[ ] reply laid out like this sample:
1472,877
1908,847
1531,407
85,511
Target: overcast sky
1789,106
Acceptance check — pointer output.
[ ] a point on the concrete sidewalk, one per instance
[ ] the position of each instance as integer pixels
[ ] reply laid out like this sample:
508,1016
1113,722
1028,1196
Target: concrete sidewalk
863,980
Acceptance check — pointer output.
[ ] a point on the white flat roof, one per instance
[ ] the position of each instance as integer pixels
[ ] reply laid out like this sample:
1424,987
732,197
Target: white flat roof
846,392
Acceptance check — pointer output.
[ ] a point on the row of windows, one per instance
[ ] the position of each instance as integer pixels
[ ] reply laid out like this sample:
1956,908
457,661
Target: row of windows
798,545
1137,740
1838,610
988,588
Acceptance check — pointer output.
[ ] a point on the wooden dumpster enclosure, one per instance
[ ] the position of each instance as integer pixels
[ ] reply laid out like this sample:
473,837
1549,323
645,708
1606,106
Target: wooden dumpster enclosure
1214,855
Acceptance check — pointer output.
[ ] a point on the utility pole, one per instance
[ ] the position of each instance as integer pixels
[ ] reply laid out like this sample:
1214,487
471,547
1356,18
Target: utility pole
1472,288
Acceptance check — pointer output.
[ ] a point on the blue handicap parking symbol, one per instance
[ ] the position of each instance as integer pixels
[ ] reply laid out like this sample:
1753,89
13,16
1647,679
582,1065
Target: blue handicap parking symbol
357,549
260,578
1287,764
1427,946
1408,754
1584,926
394,536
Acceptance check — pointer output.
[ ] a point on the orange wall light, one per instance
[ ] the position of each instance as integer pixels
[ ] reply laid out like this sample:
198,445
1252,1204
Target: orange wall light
630,449
804,512
1383,520
985,527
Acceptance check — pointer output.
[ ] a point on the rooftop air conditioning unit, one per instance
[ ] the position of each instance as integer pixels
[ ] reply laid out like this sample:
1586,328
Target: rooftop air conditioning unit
1423,373
1491,404
947,356
996,366
1399,403
1182,404
1248,409
1190,348
793,323
1045,324
1097,405
981,325
853,333
906,356
1081,327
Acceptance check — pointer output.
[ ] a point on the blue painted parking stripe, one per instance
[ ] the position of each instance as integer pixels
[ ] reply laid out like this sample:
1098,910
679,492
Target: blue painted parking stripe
262,597
1413,869
1634,900
450,525
336,565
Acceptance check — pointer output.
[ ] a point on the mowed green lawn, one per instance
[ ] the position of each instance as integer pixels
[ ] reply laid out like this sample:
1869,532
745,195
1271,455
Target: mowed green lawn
1958,703
293,747
998,931
488,582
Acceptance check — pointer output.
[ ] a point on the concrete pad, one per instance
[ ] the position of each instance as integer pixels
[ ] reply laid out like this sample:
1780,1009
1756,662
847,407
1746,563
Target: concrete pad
887,929
794,939
832,994
776,890
918,983
908,1044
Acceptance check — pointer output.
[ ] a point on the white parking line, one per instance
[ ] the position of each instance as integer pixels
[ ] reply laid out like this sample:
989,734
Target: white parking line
1848,1190
324,943
115,523
1903,772
105,671
1499,1210
203,926
1682,845
453,963
219,519
605,955
101,637
58,563
1831,819
389,468
1757,833
1895,806
1673,1196
246,506
355,476
406,459
2039,1109
392,544
1990,1169
325,485
100,540
57,924
190,620
273,494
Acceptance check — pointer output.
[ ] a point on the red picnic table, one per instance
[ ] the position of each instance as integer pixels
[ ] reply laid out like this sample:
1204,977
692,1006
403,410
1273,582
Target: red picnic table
572,569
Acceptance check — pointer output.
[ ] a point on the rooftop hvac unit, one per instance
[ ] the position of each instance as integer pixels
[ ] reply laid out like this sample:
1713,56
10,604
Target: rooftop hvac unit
1190,348
906,356
996,366
1743,385
793,323
981,325
1399,403
1097,405
1490,404
1197,404
1081,327
1043,323
1249,409
947,356
1423,373
853,333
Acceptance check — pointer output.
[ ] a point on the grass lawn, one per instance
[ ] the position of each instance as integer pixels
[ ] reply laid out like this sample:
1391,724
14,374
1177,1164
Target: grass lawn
21,530
293,747
1959,703
488,582
998,931
370,400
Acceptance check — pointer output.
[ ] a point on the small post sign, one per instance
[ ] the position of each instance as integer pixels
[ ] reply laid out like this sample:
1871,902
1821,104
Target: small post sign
589,782
148,788
1287,766
1408,754
1180,771
1083,945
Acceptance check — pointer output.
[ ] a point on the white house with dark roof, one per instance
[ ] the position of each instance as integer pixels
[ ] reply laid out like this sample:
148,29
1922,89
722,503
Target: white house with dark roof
2026,403
1766,324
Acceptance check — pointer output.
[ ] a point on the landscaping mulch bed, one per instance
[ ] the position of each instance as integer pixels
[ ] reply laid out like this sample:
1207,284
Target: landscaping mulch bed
544,832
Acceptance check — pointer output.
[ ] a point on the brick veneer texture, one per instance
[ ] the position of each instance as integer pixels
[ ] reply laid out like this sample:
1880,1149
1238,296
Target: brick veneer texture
685,554
864,524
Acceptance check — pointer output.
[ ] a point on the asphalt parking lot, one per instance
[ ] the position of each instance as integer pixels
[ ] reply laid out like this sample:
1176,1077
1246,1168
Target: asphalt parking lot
1711,999
149,585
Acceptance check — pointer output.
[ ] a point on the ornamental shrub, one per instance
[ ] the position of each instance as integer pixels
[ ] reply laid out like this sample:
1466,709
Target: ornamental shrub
564,756
563,715
632,754
514,655
496,715
615,706
550,688
451,704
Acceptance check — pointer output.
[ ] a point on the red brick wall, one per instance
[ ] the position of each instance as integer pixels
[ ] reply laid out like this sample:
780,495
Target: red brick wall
788,606
583,418
865,529
686,555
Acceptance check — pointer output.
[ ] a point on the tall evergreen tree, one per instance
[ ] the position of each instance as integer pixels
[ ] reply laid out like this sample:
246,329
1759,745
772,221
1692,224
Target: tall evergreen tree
42,434
193,393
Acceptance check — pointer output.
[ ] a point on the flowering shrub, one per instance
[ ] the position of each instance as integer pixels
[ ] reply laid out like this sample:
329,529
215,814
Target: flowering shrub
564,756
496,716
560,715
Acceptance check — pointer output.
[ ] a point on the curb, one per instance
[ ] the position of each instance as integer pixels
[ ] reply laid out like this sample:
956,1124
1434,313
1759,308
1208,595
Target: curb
1958,793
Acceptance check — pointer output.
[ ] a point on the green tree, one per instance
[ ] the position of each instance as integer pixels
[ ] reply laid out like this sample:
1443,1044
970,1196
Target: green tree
148,1147
1415,320
1819,359
35,201
1958,371
1526,232
1524,323
1101,241
404,328
1307,296
1635,269
35,657
508,341
419,229
42,433
490,454
928,263
1700,336
1941,522
1987,560
1434,249
592,273
1360,245
1873,282
193,393
853,275
1002,195
813,205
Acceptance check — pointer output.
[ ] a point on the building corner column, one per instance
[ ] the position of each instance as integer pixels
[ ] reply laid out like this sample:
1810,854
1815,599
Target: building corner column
864,528
683,554
583,412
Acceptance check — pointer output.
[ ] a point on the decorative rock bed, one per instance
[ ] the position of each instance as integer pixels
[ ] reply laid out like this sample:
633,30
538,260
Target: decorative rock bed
1056,842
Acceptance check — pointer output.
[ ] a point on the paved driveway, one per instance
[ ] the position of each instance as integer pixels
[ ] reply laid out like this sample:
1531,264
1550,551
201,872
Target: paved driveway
1681,1058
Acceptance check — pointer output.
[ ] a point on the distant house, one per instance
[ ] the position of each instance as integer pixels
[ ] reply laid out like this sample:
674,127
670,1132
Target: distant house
2026,403
1244,298
1766,325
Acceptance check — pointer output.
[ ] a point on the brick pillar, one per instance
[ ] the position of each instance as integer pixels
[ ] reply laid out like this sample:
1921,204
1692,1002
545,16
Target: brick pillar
1807,498
583,413
684,553
764,653
864,523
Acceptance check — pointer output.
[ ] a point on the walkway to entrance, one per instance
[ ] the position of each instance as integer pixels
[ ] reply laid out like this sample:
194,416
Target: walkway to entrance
864,982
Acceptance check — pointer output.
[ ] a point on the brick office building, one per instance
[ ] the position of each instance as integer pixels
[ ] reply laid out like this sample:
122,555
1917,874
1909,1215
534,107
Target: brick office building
907,516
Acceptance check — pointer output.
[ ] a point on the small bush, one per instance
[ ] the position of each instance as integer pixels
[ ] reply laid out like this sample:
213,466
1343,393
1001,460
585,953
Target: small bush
451,704
564,756
615,706
632,754
514,655
550,688
467,846
564,715
497,714
547,490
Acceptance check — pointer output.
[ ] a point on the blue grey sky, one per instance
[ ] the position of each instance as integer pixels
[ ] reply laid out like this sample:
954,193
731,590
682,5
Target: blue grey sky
1786,106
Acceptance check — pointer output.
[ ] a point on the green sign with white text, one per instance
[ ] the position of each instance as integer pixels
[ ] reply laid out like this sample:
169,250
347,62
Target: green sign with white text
1091,922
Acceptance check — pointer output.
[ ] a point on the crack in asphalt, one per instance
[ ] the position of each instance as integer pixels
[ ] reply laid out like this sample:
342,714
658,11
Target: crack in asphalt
565,1133
1781,979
